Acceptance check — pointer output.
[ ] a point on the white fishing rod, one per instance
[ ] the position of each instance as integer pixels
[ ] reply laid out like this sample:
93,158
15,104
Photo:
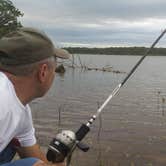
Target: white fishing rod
64,143
115,91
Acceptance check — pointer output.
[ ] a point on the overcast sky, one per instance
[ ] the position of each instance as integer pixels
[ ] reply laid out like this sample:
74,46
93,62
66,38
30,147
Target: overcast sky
97,23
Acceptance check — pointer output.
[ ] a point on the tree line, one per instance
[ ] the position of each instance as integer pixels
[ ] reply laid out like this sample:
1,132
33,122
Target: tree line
116,50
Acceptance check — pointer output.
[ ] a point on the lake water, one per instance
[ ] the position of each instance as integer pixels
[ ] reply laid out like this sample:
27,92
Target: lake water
133,124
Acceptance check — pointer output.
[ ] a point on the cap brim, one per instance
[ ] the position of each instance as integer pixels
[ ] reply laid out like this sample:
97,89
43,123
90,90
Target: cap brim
61,53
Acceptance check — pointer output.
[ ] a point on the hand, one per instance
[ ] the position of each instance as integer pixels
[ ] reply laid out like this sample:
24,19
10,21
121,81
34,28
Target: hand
41,163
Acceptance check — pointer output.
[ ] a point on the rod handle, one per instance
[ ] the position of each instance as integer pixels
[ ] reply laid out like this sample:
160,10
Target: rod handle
82,131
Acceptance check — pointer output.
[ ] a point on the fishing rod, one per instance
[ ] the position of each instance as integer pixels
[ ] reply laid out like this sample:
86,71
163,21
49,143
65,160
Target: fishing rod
65,142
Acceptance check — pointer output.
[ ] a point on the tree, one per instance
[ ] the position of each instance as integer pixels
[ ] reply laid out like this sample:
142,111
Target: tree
8,17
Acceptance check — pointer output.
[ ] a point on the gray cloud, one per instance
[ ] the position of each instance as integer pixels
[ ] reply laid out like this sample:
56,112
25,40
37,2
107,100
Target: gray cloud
96,9
119,9
107,22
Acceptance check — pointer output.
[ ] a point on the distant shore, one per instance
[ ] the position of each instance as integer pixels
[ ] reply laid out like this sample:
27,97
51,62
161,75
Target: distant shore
116,51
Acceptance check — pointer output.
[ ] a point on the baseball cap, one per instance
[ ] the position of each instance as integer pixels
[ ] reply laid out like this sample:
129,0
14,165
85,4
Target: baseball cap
28,45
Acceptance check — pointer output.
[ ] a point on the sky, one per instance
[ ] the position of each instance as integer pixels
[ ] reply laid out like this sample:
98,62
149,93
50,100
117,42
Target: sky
97,23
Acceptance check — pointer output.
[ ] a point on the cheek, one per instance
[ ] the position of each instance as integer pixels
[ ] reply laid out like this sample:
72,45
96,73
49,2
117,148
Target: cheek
51,79
52,74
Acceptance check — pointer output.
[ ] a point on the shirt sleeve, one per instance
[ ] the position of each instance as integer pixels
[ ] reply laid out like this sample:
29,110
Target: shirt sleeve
27,139
27,136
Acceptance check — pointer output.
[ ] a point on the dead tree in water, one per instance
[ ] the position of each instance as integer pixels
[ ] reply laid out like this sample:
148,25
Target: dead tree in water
163,106
73,60
84,67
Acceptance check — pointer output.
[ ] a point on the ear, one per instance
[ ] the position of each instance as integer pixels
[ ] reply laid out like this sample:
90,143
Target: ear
42,74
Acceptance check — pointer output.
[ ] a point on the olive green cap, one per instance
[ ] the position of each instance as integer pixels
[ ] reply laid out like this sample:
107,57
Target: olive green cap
28,45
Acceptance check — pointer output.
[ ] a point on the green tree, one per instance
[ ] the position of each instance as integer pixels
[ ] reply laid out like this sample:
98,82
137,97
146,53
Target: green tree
8,17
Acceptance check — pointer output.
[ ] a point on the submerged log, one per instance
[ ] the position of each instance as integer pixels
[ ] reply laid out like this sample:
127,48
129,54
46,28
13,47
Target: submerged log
60,69
104,69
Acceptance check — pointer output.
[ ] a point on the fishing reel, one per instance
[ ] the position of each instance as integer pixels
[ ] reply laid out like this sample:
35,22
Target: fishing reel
65,143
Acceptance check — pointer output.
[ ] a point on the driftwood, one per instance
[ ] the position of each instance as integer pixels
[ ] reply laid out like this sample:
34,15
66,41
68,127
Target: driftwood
72,64
104,69
84,67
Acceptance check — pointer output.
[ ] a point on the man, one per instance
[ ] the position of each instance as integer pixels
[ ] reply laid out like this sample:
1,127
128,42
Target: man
27,69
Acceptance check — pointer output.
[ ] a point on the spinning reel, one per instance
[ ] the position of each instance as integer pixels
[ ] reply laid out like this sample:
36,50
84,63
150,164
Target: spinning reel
65,142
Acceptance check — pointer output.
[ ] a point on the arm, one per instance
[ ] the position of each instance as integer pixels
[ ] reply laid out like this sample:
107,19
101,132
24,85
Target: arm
31,151
28,146
35,151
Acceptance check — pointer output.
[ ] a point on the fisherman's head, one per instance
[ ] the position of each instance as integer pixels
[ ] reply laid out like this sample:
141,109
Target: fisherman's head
28,52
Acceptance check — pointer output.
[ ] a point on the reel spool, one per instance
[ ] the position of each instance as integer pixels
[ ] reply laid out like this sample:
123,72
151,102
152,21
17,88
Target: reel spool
65,142
61,146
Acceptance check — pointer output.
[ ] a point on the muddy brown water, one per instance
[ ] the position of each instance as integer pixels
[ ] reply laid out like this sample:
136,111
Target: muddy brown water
133,124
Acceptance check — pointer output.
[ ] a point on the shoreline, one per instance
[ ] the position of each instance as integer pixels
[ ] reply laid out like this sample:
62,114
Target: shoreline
131,51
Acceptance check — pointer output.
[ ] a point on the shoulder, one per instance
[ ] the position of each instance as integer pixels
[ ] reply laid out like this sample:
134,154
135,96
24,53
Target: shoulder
4,85
5,92
8,102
